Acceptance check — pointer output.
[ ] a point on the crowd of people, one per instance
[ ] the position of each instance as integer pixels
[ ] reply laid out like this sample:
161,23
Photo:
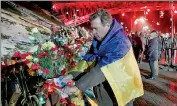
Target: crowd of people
152,47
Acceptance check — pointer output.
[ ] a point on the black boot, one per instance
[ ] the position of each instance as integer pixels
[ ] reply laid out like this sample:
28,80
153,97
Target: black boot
151,78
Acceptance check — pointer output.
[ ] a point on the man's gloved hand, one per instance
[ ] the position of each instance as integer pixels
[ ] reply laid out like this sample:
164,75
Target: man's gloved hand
69,90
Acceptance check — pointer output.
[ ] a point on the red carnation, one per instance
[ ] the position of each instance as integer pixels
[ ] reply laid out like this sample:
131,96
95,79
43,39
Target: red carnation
63,100
35,66
16,55
54,48
63,72
60,52
42,54
79,42
46,71
5,61
27,61
29,53
72,104
23,56
67,45
73,64
78,46
46,85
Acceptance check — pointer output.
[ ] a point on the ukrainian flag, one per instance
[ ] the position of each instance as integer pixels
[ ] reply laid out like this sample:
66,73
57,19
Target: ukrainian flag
116,60
124,78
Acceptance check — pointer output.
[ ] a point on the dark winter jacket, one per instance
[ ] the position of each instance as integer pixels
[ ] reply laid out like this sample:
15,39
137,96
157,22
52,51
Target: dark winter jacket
153,51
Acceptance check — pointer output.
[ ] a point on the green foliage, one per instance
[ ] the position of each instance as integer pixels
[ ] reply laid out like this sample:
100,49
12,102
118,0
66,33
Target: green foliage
3,36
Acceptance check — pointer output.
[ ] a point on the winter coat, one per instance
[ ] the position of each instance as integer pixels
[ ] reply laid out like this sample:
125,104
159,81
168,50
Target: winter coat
153,51
114,47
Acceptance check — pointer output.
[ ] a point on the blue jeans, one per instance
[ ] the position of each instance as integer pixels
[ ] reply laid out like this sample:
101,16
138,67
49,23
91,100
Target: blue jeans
154,67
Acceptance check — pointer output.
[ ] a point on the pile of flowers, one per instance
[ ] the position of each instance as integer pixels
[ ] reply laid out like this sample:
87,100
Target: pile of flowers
53,59
45,62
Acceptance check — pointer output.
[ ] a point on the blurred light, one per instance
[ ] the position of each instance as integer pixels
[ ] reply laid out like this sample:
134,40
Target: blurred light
148,10
42,99
175,11
135,22
161,14
157,23
134,16
77,10
145,27
123,14
171,19
125,27
121,23
141,19
67,13
53,7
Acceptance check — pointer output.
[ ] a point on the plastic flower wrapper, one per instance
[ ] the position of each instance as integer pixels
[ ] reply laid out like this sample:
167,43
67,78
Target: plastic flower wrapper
36,37
48,45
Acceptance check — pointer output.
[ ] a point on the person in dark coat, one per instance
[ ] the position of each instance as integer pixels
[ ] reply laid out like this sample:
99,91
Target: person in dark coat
160,45
137,46
110,44
153,54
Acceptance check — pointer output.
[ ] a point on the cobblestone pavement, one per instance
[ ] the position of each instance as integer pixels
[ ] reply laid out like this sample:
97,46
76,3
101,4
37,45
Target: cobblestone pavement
159,92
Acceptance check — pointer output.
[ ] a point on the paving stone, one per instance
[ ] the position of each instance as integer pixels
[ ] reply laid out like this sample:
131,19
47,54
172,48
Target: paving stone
159,92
